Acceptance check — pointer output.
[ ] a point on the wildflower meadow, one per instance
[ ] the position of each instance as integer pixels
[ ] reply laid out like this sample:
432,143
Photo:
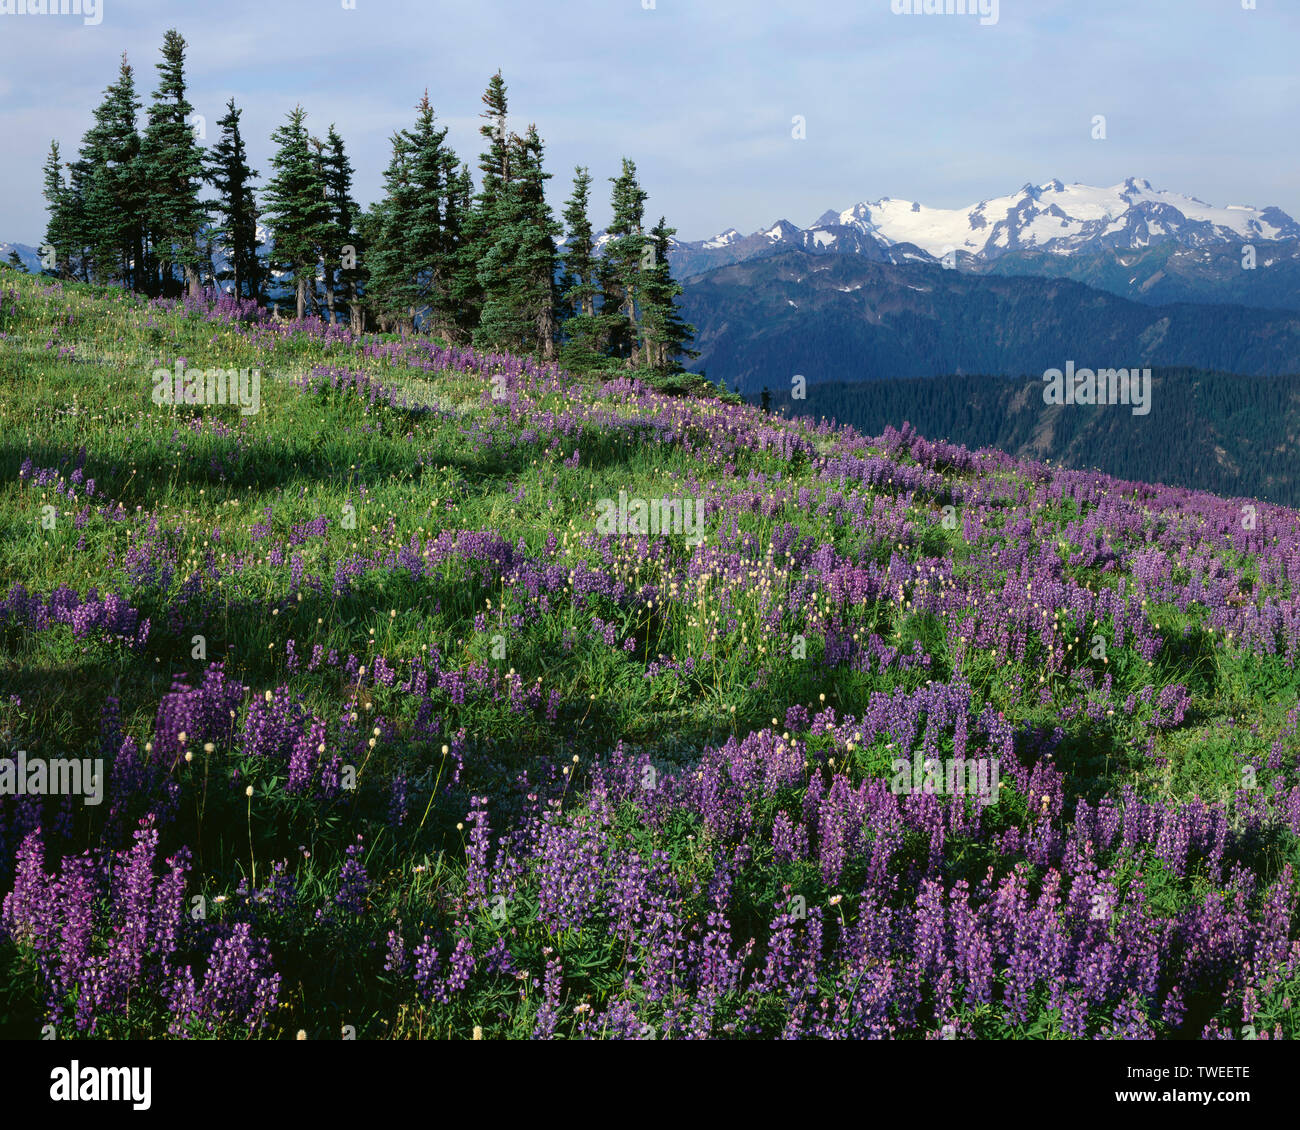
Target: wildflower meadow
451,694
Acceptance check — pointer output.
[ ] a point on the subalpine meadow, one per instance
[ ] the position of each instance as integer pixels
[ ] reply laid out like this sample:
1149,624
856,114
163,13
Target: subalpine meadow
395,742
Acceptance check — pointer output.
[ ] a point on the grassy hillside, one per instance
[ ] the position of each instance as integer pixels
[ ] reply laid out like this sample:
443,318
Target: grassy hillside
401,739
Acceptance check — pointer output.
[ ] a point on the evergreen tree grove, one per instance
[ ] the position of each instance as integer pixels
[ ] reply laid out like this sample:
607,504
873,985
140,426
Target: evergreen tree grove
418,230
480,267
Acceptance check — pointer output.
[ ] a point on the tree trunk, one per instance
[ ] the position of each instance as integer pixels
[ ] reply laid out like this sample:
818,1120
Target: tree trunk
302,295
356,314
137,251
629,312
329,292
546,332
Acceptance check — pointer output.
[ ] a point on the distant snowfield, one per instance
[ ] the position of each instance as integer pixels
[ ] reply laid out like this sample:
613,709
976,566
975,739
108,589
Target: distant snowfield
1053,217
1038,215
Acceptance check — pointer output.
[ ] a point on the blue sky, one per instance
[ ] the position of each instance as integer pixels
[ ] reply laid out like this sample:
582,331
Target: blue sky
1200,96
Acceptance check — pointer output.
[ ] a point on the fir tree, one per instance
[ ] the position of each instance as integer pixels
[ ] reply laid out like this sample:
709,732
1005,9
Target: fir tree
236,206
495,162
173,170
107,177
517,272
433,234
369,231
478,222
418,227
620,272
78,228
465,297
665,335
17,264
60,232
536,258
389,294
580,286
296,206
343,228
335,172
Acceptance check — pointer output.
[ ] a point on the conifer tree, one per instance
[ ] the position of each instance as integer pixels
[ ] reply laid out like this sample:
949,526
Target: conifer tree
366,310
60,231
580,286
235,207
107,175
517,272
173,170
433,233
343,228
465,297
621,267
17,264
666,336
495,162
335,172
418,228
478,223
75,210
296,208
389,294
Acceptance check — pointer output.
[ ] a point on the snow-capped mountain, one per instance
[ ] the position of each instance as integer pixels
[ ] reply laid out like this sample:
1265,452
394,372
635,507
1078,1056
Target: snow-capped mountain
727,238
1064,219
1055,218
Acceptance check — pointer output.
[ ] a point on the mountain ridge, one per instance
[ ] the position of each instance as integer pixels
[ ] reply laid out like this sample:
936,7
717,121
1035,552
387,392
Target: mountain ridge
840,317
